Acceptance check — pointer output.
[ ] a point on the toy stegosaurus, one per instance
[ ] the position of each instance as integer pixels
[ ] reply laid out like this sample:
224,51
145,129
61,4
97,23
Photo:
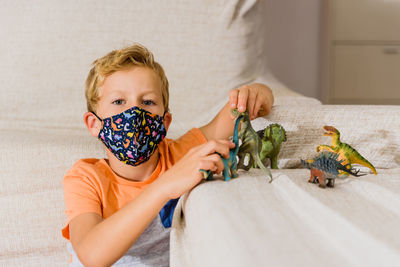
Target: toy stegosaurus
326,167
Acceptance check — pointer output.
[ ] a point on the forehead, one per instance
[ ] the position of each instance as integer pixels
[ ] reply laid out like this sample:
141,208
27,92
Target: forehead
140,80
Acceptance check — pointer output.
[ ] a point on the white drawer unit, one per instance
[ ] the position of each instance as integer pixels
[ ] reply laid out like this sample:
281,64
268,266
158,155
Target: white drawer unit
361,52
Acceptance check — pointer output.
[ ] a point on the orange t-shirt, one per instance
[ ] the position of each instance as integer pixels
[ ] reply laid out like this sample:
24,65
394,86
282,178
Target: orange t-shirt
91,186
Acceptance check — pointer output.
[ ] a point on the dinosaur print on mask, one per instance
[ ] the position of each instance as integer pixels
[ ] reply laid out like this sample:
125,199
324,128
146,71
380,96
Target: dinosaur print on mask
133,135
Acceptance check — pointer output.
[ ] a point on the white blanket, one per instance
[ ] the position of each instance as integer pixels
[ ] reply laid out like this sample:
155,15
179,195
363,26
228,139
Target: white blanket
290,222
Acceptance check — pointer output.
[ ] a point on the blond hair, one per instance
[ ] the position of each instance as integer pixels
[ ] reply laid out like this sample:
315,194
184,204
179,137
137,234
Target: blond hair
122,59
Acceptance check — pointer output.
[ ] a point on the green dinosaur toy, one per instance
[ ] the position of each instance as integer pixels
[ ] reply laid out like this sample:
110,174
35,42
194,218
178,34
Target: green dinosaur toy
326,166
346,153
230,164
271,140
251,144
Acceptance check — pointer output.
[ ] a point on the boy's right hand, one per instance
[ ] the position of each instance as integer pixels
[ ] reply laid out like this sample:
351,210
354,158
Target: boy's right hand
185,174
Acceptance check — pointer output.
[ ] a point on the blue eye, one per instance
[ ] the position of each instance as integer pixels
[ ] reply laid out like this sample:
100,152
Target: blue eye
148,102
118,102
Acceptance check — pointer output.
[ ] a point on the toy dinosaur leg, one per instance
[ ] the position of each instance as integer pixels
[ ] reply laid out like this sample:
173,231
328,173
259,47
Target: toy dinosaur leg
317,174
313,179
274,161
331,182
241,157
314,174
241,164
321,180
234,174
208,175
233,162
250,163
227,176
265,152
233,168
322,147
243,152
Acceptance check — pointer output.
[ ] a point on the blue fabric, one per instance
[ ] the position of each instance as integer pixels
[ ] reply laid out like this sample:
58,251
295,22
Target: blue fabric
167,212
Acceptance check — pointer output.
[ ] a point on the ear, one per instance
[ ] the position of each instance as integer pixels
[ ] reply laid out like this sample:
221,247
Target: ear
92,123
167,120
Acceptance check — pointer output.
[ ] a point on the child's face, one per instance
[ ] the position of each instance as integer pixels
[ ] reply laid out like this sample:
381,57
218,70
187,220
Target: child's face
137,86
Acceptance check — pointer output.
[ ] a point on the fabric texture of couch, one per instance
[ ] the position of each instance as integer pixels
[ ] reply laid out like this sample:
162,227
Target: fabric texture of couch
206,48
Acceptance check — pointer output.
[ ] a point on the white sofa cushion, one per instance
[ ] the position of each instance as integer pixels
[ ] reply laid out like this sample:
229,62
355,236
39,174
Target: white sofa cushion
206,48
32,164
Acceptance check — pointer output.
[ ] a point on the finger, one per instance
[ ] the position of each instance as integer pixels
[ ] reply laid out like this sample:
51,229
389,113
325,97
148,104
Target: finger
221,147
217,146
242,98
217,162
233,96
264,110
266,107
251,102
257,109
207,165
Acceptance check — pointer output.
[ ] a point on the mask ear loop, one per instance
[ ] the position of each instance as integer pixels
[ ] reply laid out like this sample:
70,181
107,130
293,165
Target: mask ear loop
97,116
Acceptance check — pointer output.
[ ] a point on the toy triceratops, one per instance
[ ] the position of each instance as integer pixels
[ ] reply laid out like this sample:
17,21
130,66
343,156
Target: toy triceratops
271,139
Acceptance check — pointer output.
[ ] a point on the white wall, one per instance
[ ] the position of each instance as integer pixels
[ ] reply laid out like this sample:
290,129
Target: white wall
293,46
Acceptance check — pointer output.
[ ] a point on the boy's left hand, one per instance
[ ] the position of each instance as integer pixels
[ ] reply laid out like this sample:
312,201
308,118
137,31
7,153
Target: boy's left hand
257,98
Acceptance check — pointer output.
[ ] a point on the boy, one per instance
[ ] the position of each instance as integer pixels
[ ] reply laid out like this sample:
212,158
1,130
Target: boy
112,204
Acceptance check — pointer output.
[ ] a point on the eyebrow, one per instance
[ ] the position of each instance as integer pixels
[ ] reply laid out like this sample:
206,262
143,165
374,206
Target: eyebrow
140,94
148,92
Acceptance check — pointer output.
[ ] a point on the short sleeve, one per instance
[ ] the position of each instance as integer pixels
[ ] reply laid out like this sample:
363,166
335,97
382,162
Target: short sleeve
80,196
183,144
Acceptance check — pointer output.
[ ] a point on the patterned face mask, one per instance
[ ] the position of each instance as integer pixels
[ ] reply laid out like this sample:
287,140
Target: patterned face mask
133,135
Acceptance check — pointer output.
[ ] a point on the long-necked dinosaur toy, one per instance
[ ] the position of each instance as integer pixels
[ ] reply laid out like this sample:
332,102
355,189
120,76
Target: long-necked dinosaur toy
230,164
251,144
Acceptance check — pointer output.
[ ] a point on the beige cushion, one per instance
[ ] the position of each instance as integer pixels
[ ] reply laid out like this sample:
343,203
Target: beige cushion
204,46
32,205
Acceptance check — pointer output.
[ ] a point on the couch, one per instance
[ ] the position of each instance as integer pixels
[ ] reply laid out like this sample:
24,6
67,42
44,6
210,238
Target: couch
207,48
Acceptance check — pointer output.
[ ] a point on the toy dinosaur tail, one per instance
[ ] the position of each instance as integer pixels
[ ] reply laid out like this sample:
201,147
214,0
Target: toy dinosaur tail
261,165
354,157
364,162
346,168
